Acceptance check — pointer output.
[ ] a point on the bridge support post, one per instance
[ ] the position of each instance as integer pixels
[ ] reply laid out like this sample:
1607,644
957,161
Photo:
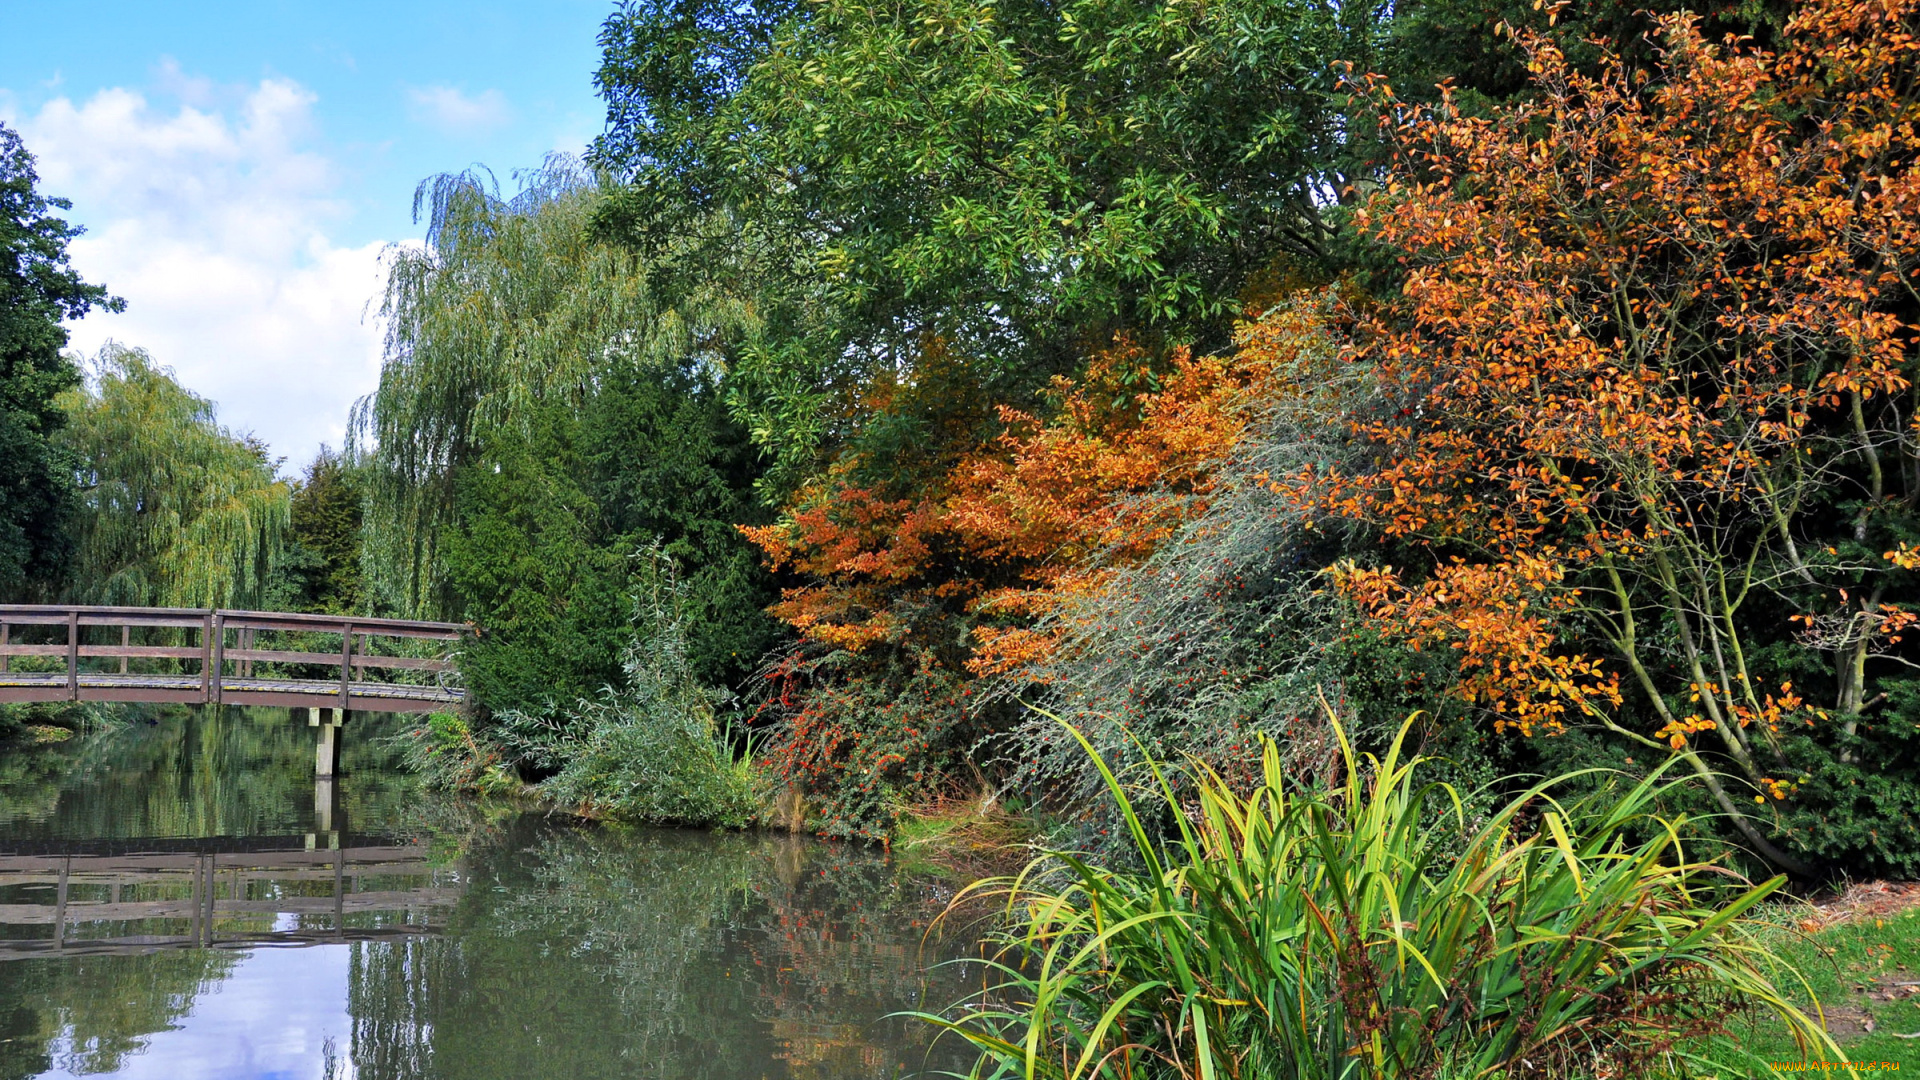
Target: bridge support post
326,752
325,834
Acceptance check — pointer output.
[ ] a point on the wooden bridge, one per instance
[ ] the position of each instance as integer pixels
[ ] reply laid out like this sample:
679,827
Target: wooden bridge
198,656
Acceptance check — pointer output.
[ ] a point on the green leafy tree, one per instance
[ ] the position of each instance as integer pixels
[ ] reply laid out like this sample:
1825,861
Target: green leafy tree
176,510
38,289
1016,180
508,310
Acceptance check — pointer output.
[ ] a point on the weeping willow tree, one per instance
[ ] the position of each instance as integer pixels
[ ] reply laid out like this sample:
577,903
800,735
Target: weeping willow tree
509,308
177,511
543,414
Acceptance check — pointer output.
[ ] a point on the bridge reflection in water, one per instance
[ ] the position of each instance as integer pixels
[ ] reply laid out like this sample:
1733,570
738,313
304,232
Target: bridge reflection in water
259,891
135,895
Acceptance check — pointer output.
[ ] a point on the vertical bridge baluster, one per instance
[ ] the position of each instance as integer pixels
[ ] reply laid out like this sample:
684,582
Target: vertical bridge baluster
206,657
219,655
346,668
73,654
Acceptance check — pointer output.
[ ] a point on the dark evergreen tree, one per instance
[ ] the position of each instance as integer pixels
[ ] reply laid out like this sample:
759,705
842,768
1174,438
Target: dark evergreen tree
320,568
38,291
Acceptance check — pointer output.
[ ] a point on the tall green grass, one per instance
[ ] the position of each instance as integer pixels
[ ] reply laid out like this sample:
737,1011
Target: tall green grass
1376,930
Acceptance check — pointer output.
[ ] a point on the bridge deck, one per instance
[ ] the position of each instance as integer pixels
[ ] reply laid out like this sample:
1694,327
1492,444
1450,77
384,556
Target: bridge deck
188,689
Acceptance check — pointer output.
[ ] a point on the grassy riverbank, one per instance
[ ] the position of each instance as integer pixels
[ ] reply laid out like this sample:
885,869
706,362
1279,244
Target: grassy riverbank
1859,953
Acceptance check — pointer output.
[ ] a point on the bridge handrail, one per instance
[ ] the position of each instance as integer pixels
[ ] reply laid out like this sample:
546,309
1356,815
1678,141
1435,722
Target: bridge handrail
98,615
213,652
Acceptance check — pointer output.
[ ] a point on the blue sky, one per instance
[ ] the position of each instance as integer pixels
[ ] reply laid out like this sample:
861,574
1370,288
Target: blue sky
241,166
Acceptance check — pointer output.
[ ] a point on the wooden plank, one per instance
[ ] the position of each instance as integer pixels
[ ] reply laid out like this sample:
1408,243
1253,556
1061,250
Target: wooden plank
383,858
18,694
96,615
9,610
277,875
158,621
57,616
41,650
36,616
361,702
147,944
207,673
164,652
178,652
346,668
269,620
289,693
142,695
174,652
276,656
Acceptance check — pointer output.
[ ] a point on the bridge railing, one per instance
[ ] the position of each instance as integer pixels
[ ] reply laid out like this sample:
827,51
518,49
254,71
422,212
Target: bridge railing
221,647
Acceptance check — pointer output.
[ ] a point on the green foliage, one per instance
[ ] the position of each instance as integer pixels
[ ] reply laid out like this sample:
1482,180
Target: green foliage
647,749
521,556
38,290
1339,933
177,511
320,569
509,311
539,550
443,752
539,418
1018,179
666,465
1857,808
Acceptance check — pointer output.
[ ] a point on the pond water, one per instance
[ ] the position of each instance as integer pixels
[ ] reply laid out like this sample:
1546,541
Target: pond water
180,899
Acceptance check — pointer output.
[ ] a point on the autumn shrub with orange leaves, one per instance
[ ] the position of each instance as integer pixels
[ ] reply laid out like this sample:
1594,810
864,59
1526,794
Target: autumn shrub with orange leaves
908,600
1646,437
1228,630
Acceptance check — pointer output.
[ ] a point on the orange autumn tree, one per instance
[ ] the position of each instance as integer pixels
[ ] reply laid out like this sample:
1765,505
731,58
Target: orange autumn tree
1039,509
1651,412
939,587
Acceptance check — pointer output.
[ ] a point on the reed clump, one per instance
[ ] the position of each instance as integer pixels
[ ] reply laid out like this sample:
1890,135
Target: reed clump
1375,928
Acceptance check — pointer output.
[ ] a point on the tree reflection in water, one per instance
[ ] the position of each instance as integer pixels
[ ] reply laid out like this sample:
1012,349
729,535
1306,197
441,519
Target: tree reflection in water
606,952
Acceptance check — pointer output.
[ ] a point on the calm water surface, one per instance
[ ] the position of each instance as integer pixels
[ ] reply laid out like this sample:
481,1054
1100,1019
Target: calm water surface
179,899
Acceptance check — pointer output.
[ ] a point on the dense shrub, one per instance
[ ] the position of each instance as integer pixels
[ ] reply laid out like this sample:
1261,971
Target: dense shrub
1348,932
649,748
646,748
860,750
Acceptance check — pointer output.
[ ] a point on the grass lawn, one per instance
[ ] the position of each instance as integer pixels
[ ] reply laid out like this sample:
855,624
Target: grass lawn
1861,959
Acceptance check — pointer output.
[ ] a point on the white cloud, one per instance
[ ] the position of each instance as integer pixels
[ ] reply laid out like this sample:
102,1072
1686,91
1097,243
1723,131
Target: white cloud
448,109
212,221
